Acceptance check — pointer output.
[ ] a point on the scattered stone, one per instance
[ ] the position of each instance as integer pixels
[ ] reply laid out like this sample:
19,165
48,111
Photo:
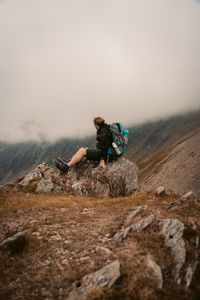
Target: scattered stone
187,196
65,261
181,200
172,229
160,191
105,277
15,243
132,214
155,269
56,237
104,252
84,258
138,227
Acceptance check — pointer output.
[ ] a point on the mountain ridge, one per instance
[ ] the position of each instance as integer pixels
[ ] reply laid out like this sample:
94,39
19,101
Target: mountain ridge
144,140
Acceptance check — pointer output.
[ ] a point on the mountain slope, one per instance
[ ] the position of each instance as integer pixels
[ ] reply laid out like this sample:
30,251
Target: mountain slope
176,167
16,159
146,139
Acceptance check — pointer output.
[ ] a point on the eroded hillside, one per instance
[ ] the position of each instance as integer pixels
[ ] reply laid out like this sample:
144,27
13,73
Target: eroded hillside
176,167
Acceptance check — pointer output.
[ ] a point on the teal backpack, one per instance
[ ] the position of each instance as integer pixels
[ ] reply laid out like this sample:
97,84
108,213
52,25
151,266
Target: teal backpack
120,139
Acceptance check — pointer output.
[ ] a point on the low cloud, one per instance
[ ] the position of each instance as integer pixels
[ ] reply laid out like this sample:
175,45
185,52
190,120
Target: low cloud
31,129
63,62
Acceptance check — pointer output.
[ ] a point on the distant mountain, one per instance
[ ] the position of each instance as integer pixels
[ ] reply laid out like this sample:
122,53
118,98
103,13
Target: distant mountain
144,141
16,159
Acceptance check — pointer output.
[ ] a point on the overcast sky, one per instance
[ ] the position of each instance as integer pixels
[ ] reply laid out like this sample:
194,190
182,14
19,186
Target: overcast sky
63,62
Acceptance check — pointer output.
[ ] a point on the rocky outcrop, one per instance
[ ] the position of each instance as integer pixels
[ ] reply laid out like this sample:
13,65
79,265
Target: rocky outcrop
138,227
105,277
41,179
119,178
104,252
134,213
173,231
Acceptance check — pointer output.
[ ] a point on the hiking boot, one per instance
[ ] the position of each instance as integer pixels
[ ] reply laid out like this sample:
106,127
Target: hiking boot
63,167
63,161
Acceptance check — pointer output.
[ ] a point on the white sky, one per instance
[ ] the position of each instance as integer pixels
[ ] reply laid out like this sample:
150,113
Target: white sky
63,62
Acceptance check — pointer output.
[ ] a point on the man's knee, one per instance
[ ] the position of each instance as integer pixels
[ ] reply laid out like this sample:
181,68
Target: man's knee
83,151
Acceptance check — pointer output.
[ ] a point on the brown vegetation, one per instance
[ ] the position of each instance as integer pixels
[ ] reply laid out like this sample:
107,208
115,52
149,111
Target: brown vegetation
63,232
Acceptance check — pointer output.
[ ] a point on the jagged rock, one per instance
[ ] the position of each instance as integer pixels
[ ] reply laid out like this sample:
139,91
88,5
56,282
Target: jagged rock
44,186
139,226
172,229
119,178
15,243
104,252
160,191
44,178
155,270
105,277
132,214
79,188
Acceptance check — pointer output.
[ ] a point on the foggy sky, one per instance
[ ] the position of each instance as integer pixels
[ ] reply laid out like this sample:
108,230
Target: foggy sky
63,62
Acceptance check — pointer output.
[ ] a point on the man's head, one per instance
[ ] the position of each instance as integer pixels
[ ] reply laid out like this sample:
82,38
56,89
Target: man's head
98,121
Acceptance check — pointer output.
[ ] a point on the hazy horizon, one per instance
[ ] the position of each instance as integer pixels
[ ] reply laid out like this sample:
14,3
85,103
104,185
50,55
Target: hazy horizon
63,62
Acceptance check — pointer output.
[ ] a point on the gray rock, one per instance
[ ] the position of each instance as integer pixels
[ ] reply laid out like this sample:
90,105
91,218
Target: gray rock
119,178
138,227
172,229
160,191
181,200
187,196
104,252
135,212
105,277
79,188
151,264
44,186
43,175
189,273
58,188
41,171
15,243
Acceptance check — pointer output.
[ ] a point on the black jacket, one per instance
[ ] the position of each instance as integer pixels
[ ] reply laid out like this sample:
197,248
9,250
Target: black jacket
104,139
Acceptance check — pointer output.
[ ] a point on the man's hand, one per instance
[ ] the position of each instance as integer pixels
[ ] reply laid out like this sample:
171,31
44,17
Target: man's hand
102,164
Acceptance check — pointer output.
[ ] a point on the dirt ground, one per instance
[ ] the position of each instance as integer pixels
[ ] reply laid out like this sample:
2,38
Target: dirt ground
63,232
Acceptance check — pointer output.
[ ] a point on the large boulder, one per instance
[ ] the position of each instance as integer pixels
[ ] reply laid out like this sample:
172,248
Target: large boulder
119,178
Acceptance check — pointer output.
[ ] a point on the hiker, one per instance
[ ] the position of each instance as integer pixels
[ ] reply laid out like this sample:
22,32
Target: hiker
104,141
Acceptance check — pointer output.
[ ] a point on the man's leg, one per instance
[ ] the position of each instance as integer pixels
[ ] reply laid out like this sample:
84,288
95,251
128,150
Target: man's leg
78,156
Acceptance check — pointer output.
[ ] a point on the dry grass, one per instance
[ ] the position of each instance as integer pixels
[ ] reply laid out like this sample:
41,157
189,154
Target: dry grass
62,229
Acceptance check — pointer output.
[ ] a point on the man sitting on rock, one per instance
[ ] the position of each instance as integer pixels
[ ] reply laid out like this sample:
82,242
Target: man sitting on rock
104,141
